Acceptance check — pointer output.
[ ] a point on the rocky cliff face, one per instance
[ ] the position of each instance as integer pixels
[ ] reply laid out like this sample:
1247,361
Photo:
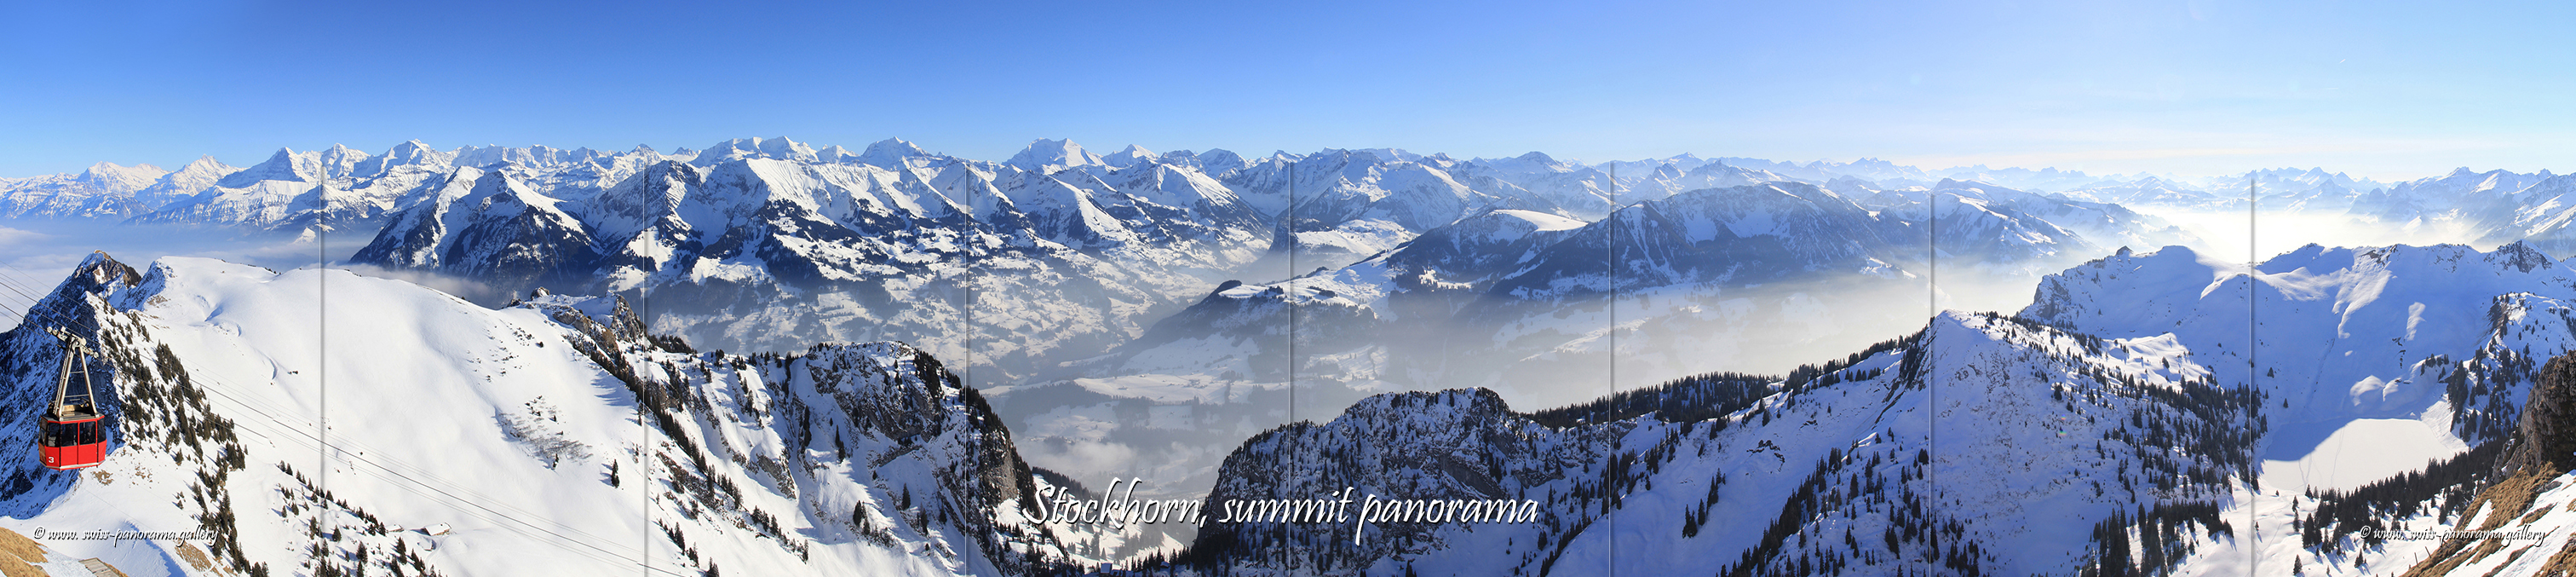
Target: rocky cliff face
2544,443
2529,484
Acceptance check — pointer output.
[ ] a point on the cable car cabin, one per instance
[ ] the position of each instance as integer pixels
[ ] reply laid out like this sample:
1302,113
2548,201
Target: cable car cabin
75,442
74,434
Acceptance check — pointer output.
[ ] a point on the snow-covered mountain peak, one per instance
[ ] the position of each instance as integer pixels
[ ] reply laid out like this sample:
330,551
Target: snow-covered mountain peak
339,161
783,148
283,166
1045,155
1530,163
1130,156
207,164
780,148
890,153
2520,256
414,152
109,176
1971,186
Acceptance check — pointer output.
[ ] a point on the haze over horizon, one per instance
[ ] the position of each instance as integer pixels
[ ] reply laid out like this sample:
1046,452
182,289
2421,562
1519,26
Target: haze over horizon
2203,87
1105,150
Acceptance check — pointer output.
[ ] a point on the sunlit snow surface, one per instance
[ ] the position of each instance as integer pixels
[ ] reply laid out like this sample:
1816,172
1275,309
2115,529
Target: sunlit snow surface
2362,451
408,363
492,425
2355,343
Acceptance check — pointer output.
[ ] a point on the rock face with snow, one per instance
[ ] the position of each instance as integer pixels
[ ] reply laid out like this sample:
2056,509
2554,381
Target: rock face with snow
2515,489
554,436
2544,441
488,226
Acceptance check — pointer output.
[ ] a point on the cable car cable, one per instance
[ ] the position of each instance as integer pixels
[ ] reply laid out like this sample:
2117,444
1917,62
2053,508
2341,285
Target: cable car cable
300,439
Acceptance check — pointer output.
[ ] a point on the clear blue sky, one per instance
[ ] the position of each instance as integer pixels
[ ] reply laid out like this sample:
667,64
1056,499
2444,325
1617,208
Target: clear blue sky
2384,89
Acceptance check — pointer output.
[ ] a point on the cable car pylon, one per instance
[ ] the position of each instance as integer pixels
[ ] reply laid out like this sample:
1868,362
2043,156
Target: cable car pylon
74,434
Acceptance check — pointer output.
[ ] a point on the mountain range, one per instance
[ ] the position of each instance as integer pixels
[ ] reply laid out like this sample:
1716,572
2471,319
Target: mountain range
964,334
2070,437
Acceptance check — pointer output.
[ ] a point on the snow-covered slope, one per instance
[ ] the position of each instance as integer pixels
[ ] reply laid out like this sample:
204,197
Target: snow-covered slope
2113,427
552,437
2373,353
2500,509
1984,445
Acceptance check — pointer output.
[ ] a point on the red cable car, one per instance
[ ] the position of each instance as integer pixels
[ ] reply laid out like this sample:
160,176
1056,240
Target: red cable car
74,433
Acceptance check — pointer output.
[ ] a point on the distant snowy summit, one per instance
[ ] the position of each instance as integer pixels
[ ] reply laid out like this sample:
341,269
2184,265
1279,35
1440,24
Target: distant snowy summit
341,184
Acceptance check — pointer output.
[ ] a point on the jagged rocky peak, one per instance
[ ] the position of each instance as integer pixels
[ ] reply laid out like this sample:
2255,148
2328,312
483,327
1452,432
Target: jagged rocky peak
281,166
2518,256
340,160
98,270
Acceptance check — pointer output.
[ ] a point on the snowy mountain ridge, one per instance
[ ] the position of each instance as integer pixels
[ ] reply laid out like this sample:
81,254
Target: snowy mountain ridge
2111,428
2064,440
1982,445
465,440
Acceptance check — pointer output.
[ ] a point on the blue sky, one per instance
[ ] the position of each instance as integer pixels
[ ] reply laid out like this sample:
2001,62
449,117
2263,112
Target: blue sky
2382,89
